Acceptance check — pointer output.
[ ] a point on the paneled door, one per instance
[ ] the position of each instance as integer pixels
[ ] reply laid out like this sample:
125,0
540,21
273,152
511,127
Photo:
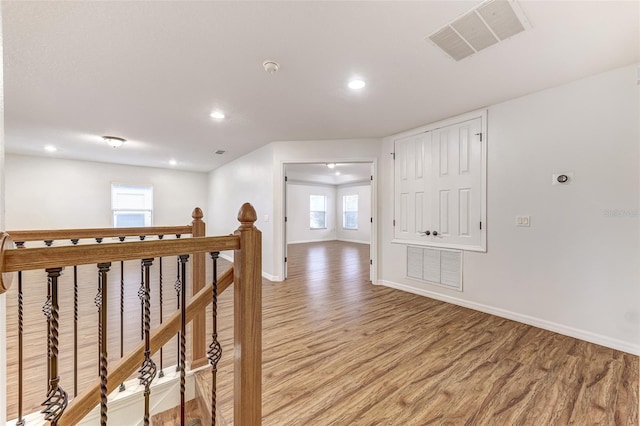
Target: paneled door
439,186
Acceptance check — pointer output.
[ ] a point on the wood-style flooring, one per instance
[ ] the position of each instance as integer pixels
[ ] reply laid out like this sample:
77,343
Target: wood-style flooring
338,350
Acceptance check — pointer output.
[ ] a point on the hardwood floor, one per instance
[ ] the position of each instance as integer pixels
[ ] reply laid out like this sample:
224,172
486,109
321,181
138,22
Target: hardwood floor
341,351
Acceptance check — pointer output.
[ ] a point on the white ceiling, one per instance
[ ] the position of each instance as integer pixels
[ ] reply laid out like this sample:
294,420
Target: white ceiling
151,72
342,173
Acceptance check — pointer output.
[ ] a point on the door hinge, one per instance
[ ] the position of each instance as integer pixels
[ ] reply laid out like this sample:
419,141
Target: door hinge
286,178
479,134
370,261
394,222
371,220
393,154
371,178
285,218
285,260
480,224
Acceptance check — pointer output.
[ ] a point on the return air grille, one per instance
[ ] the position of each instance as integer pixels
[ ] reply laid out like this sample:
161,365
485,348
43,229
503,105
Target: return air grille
484,26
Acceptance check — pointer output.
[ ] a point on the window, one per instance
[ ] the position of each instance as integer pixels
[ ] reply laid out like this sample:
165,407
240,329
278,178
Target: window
350,211
131,205
318,211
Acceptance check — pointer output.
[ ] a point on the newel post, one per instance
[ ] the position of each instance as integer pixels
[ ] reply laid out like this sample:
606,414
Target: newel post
247,317
198,326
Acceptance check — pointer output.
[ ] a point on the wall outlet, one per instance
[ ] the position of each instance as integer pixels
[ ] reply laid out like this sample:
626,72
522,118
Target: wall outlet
523,220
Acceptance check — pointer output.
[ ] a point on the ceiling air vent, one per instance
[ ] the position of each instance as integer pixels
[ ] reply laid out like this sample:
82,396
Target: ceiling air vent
485,25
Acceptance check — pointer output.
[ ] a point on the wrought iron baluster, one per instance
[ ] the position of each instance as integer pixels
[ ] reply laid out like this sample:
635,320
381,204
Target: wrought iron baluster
141,297
215,350
161,373
122,386
75,325
57,398
101,303
148,369
184,258
20,421
178,286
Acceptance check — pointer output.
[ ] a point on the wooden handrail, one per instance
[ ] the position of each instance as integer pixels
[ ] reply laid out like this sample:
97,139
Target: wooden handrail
73,234
70,234
82,404
53,257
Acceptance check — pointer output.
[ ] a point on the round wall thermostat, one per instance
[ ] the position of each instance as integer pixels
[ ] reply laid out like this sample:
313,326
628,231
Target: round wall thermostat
563,178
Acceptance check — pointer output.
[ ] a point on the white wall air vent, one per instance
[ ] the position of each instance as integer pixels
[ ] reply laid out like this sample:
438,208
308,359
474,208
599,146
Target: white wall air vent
483,26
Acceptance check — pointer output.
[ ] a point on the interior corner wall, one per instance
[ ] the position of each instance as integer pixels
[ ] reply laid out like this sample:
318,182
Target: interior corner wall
363,233
245,179
50,193
298,230
575,270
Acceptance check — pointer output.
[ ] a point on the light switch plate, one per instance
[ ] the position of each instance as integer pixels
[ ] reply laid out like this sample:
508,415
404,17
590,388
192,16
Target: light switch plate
523,221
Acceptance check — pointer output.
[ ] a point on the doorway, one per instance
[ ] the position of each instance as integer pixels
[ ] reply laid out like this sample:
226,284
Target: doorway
329,202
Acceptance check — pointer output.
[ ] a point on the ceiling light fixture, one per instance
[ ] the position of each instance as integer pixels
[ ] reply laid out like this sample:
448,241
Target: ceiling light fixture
218,115
331,165
220,151
337,173
357,84
173,162
50,148
271,66
114,141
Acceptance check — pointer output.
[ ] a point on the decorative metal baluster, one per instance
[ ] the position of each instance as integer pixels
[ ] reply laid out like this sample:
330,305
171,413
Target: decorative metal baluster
141,297
184,258
20,421
99,240
178,286
122,386
75,325
148,369
57,399
215,350
101,303
161,373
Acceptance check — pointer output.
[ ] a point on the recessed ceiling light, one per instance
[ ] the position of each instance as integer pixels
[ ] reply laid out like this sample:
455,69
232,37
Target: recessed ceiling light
357,84
173,162
331,165
50,148
337,173
218,115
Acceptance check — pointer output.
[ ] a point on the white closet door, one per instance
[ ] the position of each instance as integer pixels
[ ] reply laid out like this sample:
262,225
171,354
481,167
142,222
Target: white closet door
412,213
457,174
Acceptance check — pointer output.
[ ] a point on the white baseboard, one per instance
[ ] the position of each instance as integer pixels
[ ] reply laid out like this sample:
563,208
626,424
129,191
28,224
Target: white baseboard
588,336
274,278
354,241
311,241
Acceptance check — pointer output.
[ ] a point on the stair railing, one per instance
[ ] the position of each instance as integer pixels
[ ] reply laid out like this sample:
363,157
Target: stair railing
245,274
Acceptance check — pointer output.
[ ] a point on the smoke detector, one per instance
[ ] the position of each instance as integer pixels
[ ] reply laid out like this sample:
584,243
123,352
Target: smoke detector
271,66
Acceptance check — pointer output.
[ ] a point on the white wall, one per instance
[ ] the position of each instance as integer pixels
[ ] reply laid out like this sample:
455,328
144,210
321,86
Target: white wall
575,270
49,193
298,230
246,179
363,233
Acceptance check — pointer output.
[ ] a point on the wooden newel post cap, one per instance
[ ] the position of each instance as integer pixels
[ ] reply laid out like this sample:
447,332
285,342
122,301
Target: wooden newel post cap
247,216
6,278
197,214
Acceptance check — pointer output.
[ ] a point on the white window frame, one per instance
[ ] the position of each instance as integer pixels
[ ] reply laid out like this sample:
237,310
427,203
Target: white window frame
142,206
311,212
345,211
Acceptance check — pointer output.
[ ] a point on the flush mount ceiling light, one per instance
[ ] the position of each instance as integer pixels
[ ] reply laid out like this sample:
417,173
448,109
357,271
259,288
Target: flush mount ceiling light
50,148
220,151
331,165
218,115
356,84
271,66
114,141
